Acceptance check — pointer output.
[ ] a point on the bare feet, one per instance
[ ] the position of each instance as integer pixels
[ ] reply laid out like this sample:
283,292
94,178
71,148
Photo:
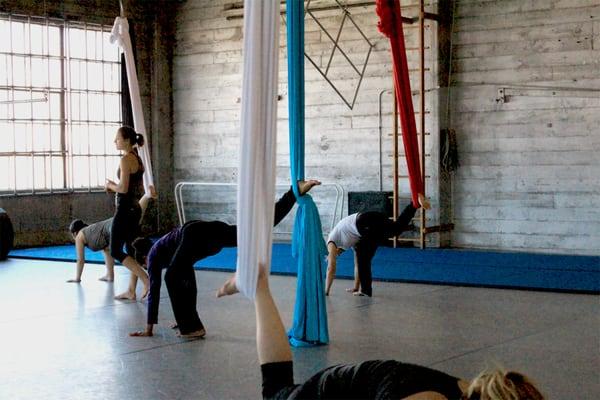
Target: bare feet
193,335
228,287
106,278
358,293
125,296
423,201
352,290
141,334
305,186
74,281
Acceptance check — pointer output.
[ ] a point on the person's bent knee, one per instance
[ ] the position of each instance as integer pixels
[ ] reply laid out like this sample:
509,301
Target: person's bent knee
117,254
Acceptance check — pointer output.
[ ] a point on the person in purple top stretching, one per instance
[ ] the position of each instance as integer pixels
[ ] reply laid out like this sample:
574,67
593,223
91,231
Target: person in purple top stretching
177,252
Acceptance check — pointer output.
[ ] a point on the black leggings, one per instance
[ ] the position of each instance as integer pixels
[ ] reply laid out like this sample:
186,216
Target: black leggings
201,239
125,228
374,228
277,380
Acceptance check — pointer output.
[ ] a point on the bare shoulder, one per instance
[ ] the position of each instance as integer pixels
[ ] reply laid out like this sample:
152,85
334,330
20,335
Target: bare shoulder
132,162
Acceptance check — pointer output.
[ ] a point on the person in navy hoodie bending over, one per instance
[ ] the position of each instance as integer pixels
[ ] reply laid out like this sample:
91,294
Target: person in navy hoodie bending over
177,252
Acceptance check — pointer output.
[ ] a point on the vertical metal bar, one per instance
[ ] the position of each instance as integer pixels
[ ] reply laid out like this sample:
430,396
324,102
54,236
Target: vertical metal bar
422,108
7,115
67,122
87,106
12,91
395,158
31,102
381,141
49,110
103,103
63,120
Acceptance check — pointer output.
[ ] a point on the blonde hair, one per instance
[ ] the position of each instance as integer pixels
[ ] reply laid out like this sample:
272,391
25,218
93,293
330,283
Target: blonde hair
502,385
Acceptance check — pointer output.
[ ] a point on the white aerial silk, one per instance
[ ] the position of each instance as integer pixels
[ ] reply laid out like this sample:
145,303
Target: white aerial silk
256,175
120,34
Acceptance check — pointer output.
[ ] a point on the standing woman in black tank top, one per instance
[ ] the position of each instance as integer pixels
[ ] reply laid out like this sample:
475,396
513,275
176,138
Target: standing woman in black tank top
128,191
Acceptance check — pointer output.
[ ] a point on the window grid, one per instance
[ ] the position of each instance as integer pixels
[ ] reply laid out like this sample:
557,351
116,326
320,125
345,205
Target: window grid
66,143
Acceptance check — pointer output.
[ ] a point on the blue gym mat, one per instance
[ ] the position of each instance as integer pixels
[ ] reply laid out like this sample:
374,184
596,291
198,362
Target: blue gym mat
564,273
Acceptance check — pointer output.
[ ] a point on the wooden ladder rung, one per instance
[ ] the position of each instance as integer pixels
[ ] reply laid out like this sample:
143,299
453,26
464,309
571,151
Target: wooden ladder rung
438,228
418,134
402,154
406,239
406,176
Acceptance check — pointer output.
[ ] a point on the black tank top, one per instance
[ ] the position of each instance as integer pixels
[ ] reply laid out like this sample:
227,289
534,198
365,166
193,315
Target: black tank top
375,379
135,191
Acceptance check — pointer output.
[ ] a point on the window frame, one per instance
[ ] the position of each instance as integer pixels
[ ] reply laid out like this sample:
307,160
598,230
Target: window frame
66,154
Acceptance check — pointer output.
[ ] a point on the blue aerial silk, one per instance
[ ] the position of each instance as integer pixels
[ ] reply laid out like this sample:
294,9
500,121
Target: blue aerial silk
309,327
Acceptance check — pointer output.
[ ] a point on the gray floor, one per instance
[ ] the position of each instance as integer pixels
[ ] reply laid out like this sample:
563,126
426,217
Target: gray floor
69,341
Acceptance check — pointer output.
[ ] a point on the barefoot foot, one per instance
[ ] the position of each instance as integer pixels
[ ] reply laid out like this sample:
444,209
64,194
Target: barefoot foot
424,202
352,290
74,281
106,278
305,186
193,335
228,288
125,296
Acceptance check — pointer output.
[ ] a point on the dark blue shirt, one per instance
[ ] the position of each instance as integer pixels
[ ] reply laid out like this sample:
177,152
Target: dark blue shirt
159,258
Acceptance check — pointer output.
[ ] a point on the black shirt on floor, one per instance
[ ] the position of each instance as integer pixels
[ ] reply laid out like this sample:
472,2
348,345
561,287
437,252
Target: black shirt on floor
374,379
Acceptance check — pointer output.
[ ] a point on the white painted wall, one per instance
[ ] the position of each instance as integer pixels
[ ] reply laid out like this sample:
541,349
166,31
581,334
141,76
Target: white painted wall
342,145
530,166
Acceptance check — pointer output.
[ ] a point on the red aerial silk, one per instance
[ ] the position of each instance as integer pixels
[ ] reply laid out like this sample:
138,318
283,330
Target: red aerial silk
390,24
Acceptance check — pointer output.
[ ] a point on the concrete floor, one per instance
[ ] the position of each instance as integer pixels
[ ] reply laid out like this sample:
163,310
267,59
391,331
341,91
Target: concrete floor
69,341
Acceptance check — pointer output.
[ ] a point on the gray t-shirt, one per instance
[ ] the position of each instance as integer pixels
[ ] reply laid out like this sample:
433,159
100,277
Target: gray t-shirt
345,234
97,236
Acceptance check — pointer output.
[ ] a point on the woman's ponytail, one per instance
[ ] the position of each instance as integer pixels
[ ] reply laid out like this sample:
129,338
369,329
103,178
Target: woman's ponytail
139,139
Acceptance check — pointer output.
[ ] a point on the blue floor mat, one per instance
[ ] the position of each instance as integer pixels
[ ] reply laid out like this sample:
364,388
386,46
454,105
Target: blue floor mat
439,266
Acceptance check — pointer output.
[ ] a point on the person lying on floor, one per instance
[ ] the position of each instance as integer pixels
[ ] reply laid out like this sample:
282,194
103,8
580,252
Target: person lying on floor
364,232
177,252
96,237
375,379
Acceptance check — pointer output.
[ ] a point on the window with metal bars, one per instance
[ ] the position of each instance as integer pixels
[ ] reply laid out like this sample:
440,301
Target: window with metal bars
60,105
